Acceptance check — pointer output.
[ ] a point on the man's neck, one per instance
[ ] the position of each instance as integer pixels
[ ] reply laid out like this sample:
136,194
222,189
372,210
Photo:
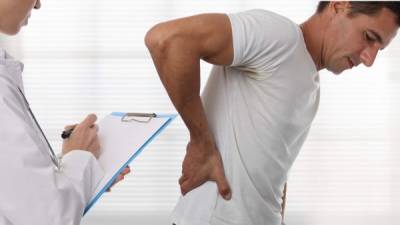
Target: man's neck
313,32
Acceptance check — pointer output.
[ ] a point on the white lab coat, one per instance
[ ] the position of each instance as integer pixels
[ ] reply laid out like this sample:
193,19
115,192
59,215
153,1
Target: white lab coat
32,192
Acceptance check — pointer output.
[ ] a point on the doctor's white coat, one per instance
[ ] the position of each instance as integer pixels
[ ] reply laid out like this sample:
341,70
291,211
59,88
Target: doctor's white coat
32,192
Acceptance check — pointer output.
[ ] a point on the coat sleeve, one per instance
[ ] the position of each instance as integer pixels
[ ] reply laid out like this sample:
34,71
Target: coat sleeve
31,190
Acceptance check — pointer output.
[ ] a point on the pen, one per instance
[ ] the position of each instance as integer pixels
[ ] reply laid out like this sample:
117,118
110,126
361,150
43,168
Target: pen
66,133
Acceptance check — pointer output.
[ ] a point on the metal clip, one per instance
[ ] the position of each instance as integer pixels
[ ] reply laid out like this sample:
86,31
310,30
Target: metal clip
138,117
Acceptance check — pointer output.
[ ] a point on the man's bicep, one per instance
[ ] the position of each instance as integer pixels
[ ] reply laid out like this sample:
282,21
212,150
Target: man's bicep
217,42
205,36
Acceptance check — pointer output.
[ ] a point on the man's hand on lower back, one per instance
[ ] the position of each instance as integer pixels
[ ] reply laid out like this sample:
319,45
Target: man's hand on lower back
203,163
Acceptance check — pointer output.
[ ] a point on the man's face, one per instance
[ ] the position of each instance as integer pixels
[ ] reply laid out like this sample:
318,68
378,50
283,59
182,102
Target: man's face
350,41
15,13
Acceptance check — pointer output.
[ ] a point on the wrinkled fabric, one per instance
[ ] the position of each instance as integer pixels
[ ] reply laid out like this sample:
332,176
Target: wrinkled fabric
259,110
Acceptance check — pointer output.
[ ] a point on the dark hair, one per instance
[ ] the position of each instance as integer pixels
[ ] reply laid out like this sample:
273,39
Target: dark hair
367,7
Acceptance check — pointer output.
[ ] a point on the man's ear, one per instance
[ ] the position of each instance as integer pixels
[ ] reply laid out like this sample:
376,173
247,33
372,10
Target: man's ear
339,6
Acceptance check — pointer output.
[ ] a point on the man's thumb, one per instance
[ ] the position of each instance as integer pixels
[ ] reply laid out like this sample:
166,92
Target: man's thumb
223,188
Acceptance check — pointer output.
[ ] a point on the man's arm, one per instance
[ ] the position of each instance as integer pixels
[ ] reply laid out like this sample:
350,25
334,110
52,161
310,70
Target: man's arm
176,48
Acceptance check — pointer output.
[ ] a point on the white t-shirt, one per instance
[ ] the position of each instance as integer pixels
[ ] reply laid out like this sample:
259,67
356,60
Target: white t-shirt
260,110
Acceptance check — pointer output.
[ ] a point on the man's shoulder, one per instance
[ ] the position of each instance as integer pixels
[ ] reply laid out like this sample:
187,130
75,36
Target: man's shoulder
262,39
266,16
265,12
267,24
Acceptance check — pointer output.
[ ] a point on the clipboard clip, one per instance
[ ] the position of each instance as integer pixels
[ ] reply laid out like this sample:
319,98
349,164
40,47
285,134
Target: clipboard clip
138,117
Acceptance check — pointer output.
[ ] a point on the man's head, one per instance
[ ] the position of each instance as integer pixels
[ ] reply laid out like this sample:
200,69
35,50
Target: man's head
356,31
15,13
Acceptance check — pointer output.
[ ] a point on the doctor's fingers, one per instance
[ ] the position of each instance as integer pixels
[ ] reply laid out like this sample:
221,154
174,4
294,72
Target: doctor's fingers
87,137
126,171
95,143
89,121
89,133
68,127
94,147
93,128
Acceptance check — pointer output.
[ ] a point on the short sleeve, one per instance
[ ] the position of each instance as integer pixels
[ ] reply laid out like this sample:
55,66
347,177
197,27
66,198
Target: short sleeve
262,40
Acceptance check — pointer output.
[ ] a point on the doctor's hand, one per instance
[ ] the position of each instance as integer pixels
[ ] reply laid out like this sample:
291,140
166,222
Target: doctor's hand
120,177
83,137
203,163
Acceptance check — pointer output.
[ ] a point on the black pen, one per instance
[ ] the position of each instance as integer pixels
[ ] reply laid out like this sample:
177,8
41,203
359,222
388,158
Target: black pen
66,133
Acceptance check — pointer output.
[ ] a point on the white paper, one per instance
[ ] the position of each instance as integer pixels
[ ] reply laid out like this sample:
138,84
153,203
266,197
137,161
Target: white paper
120,140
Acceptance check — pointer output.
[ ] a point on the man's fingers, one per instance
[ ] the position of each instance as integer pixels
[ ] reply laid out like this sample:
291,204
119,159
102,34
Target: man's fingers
223,185
182,179
224,189
186,186
89,121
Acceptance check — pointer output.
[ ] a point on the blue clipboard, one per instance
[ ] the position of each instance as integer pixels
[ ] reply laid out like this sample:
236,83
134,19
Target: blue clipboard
168,118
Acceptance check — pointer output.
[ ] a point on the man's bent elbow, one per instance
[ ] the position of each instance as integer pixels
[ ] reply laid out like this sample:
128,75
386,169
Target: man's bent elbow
156,39
150,39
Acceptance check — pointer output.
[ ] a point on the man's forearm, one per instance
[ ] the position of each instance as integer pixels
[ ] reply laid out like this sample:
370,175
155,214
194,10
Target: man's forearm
176,48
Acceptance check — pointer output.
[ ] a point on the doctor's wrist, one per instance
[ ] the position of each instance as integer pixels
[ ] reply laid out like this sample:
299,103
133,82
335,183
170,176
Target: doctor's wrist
78,150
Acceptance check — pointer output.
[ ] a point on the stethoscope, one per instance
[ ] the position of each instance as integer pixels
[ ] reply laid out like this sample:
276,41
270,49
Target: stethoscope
52,155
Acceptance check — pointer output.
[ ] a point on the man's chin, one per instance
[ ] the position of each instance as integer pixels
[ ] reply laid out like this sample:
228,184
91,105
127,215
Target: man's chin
335,71
11,31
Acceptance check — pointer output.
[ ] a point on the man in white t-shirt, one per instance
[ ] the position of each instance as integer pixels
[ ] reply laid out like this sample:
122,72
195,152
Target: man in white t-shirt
262,95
